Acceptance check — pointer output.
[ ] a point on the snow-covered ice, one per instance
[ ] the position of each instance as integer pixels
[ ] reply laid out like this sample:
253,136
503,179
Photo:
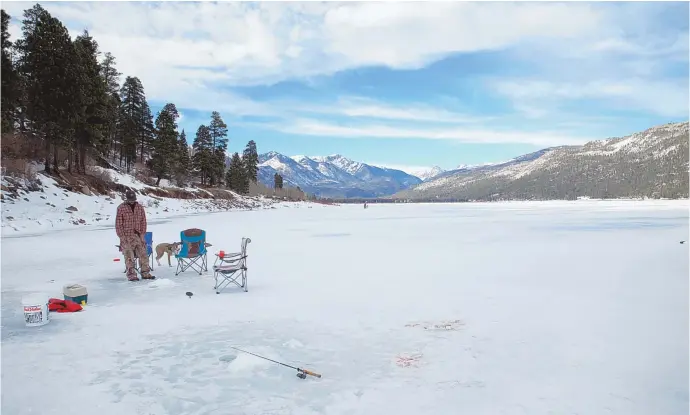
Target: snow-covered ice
506,308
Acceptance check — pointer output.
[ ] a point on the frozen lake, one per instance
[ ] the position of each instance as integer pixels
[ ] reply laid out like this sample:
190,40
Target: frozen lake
515,308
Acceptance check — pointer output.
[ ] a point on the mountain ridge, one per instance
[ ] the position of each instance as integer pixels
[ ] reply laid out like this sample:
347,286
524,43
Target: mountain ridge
650,163
333,176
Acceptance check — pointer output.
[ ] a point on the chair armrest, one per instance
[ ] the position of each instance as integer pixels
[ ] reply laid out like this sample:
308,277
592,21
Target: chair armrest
232,260
232,255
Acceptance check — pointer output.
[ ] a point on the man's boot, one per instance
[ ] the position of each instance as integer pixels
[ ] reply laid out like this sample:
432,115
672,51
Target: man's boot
146,275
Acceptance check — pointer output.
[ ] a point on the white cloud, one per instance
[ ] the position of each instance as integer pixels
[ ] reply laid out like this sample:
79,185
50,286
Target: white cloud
268,42
308,127
410,35
361,107
190,52
667,98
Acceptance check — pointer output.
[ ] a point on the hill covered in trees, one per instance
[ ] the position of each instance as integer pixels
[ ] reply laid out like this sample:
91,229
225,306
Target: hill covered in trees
63,104
652,163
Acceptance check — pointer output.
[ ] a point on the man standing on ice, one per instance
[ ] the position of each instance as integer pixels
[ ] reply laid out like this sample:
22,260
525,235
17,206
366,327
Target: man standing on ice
130,226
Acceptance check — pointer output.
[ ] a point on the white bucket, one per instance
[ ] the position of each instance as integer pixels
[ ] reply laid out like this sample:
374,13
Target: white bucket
35,310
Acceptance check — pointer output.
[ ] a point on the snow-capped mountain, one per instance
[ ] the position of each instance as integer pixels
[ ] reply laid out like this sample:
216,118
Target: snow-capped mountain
652,163
333,176
426,173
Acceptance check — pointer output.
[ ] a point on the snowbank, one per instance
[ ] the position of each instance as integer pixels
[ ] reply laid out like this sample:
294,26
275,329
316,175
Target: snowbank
32,207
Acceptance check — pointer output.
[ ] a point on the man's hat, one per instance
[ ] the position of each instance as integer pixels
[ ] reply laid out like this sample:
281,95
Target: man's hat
130,196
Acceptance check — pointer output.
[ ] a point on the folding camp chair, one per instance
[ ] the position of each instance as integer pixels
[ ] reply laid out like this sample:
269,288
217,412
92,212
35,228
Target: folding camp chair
229,268
192,251
148,240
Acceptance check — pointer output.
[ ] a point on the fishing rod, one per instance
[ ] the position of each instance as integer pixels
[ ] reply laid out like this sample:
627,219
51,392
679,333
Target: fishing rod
301,373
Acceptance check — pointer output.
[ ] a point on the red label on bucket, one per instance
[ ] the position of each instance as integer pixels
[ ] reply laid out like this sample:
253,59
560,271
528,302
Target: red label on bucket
29,309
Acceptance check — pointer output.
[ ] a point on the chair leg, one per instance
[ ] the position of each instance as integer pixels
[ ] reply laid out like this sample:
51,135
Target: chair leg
198,264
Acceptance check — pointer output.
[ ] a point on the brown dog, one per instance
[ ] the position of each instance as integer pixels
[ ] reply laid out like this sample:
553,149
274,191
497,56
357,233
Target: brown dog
166,248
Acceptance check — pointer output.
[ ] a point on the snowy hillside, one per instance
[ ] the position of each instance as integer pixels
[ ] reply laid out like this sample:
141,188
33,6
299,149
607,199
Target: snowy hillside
41,204
652,163
333,176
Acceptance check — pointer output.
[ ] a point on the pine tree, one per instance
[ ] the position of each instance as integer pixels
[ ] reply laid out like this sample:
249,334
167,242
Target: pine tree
26,65
219,144
92,100
203,153
250,158
277,181
183,164
165,144
9,79
126,130
137,124
111,77
132,108
46,62
235,178
146,130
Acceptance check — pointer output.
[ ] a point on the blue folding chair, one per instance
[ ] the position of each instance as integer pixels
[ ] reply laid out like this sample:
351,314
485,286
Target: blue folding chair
192,251
148,240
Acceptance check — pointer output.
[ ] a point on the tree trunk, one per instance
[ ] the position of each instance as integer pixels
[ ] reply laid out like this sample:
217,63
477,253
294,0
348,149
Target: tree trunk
81,166
142,149
113,149
55,159
82,159
47,155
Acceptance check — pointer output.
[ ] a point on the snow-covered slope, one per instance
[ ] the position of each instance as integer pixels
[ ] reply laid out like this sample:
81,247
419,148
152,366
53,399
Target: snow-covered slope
333,176
652,163
41,204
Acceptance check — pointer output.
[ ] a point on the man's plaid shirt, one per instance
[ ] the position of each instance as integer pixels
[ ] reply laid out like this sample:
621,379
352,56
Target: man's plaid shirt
130,219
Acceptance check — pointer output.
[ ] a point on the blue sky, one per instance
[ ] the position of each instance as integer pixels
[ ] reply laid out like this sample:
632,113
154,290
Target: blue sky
401,84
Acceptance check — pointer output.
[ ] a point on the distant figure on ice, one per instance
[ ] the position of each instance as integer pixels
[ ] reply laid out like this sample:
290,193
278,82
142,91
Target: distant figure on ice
130,226
365,205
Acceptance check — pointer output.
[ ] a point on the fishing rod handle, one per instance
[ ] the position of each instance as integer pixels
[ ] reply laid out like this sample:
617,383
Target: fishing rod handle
308,372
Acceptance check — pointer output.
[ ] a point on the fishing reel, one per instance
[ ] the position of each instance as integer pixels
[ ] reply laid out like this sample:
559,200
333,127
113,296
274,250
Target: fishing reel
302,373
